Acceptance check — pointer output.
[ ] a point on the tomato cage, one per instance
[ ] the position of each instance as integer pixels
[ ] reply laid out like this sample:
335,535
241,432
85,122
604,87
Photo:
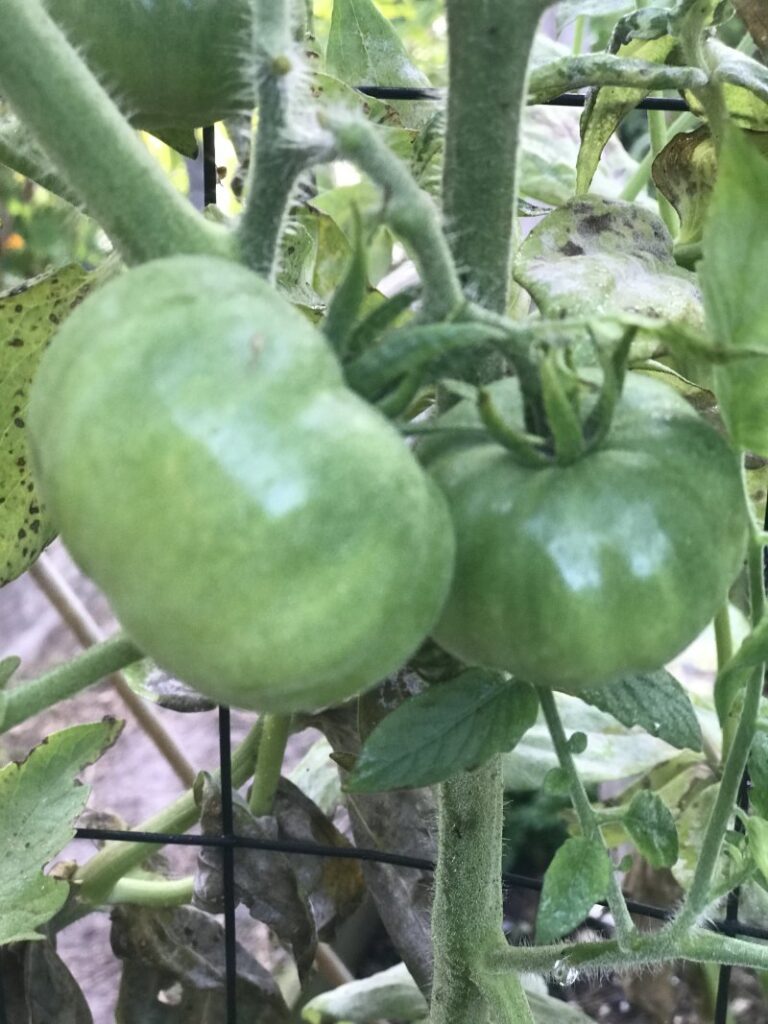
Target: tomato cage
228,841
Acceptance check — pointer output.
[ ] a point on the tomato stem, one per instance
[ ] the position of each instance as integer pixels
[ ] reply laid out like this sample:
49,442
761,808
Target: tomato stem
699,894
590,824
276,730
91,144
693,25
467,907
66,680
489,48
96,879
278,156
408,210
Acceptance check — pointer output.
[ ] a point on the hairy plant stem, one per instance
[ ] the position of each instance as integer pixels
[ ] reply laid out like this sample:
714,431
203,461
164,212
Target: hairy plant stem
645,951
724,647
95,880
28,699
276,730
467,907
589,821
84,627
489,46
408,210
277,157
692,28
699,895
91,145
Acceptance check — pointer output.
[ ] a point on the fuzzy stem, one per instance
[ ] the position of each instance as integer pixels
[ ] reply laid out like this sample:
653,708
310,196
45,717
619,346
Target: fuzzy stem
96,879
66,680
408,210
84,627
91,144
467,907
692,27
698,946
277,729
595,69
657,128
724,647
276,158
699,895
489,47
590,824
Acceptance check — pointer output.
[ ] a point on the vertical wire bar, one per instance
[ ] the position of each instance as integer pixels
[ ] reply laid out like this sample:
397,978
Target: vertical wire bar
228,867
210,181
210,176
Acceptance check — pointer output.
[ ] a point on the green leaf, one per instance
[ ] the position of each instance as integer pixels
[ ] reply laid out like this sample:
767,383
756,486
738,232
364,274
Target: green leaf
7,667
39,801
346,304
652,829
684,172
577,878
732,677
364,49
758,774
655,701
744,83
735,247
183,140
598,257
606,107
29,316
452,727
392,994
757,835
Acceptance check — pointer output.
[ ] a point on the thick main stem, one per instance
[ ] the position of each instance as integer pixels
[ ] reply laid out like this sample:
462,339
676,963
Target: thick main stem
276,730
467,908
488,53
90,143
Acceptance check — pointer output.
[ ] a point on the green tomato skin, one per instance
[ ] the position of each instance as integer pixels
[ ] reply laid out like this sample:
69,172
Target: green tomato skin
573,576
170,64
260,531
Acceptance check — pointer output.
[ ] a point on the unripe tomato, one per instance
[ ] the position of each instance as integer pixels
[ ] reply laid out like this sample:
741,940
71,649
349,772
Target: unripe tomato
570,576
169,63
260,531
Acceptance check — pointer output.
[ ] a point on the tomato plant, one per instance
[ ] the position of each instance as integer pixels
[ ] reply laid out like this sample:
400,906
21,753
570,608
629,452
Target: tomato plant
574,575
170,64
222,427
245,489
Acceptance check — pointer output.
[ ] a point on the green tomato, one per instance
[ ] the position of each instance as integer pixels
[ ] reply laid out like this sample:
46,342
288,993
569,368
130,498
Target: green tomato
262,532
570,576
170,64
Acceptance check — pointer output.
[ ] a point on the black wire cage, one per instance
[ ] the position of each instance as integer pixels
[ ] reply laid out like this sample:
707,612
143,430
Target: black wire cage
228,841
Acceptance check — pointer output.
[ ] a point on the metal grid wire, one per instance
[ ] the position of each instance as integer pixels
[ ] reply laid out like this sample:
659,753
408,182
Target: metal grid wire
228,841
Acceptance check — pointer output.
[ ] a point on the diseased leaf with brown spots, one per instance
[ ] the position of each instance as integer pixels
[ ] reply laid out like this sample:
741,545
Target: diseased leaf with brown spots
29,316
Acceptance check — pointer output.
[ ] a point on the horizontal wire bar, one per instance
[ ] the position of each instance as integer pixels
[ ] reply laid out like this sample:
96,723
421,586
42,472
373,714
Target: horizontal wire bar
567,99
376,856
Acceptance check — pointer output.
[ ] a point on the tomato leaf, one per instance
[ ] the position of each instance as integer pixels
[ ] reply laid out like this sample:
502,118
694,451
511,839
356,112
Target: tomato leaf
39,801
364,49
28,318
684,172
655,701
744,84
576,879
392,994
38,987
752,653
450,727
758,774
757,836
186,945
598,257
606,107
652,829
